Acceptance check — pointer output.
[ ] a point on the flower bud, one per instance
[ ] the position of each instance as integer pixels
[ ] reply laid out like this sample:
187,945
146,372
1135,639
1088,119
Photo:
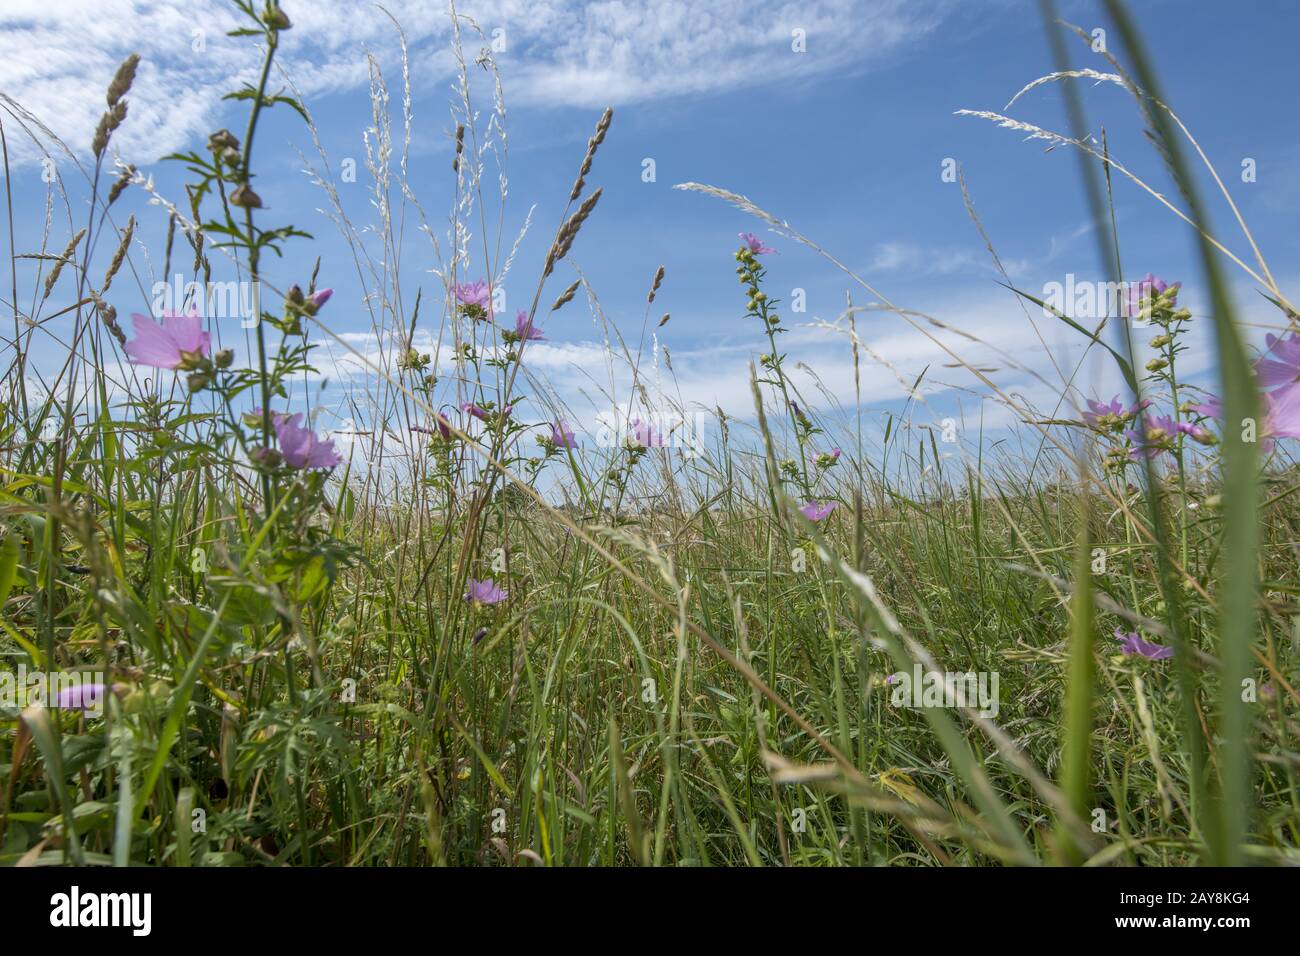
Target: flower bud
274,17
193,362
222,139
245,198
265,457
223,358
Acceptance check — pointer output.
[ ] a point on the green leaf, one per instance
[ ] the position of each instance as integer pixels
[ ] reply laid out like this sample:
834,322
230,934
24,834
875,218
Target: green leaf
8,564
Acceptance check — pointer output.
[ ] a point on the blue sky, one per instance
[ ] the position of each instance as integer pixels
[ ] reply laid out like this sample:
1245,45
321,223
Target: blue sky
845,141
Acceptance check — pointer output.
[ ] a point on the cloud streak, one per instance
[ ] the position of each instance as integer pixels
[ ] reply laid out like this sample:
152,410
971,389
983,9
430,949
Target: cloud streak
57,59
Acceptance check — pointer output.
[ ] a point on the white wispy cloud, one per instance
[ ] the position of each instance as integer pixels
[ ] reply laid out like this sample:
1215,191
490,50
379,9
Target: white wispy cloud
57,59
584,380
915,260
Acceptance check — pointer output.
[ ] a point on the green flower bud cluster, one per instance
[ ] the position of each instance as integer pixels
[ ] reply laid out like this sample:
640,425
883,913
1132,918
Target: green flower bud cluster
750,274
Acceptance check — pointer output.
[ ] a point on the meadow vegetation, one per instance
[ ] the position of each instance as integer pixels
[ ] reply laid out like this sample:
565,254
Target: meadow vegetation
469,635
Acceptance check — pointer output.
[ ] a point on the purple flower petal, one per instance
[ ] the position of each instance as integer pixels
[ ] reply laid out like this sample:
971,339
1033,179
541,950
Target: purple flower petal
645,435
475,293
1131,644
485,592
525,330
301,447
81,697
1282,412
561,436
816,511
167,345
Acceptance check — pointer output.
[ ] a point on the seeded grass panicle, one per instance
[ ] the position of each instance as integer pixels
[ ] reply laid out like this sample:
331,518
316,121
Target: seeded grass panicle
461,631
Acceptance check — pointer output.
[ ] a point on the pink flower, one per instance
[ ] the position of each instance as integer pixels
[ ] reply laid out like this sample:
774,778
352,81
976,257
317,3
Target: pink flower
1131,644
444,426
179,342
475,294
561,437
1111,416
485,592
525,330
320,297
1281,417
1097,411
300,446
443,430
755,244
1286,368
645,436
1147,290
483,414
81,697
815,511
1155,435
